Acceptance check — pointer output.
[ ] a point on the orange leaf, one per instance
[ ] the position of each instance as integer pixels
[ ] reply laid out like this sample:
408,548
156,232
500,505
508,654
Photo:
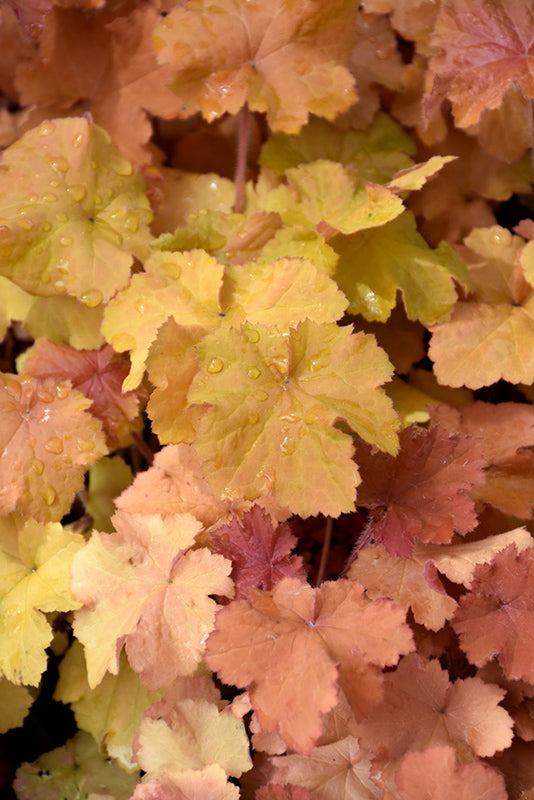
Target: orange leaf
288,646
283,58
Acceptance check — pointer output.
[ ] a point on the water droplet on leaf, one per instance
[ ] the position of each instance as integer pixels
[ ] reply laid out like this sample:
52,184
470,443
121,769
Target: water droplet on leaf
261,395
38,466
253,372
215,365
54,445
77,192
66,241
47,128
92,298
48,494
123,341
252,335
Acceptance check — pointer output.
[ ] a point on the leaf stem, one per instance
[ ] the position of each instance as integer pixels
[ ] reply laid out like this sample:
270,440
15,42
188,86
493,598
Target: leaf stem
243,140
325,551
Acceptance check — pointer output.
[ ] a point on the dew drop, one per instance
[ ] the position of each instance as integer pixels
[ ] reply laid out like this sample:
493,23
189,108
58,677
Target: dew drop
47,128
45,396
141,305
32,198
38,466
261,395
313,364
65,241
132,222
54,445
123,341
253,419
60,163
62,390
85,445
48,494
49,197
77,192
25,224
54,184
78,140
253,372
60,286
62,265
121,166
46,227
252,335
288,446
92,298
502,237
97,200
382,53
215,365
61,216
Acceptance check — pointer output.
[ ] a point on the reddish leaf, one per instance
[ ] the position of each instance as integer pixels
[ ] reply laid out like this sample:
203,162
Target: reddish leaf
423,491
496,618
259,552
99,375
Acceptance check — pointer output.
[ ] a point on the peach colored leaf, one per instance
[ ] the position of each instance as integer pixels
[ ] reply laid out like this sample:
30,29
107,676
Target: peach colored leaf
189,784
275,791
484,49
505,429
422,493
459,561
175,484
99,375
337,771
144,587
496,617
47,441
376,264
274,399
34,581
198,734
421,708
436,774
259,551
404,581
183,286
285,59
289,645
108,60
70,198
488,337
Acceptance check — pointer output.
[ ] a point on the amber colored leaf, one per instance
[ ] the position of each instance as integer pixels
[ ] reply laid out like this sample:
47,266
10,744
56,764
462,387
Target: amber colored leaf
423,492
108,62
47,441
488,337
143,586
259,551
34,581
68,197
485,49
506,429
198,734
421,708
496,617
404,581
183,286
99,375
377,263
289,645
436,774
337,771
175,484
16,702
189,784
274,399
284,59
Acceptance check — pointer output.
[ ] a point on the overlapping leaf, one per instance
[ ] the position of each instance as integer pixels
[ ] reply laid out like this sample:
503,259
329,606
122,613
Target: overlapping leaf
141,579
284,59
289,645
274,400
70,204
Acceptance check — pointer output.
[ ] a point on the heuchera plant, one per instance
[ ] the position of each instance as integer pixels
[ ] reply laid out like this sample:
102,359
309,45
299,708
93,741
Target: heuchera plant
267,466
